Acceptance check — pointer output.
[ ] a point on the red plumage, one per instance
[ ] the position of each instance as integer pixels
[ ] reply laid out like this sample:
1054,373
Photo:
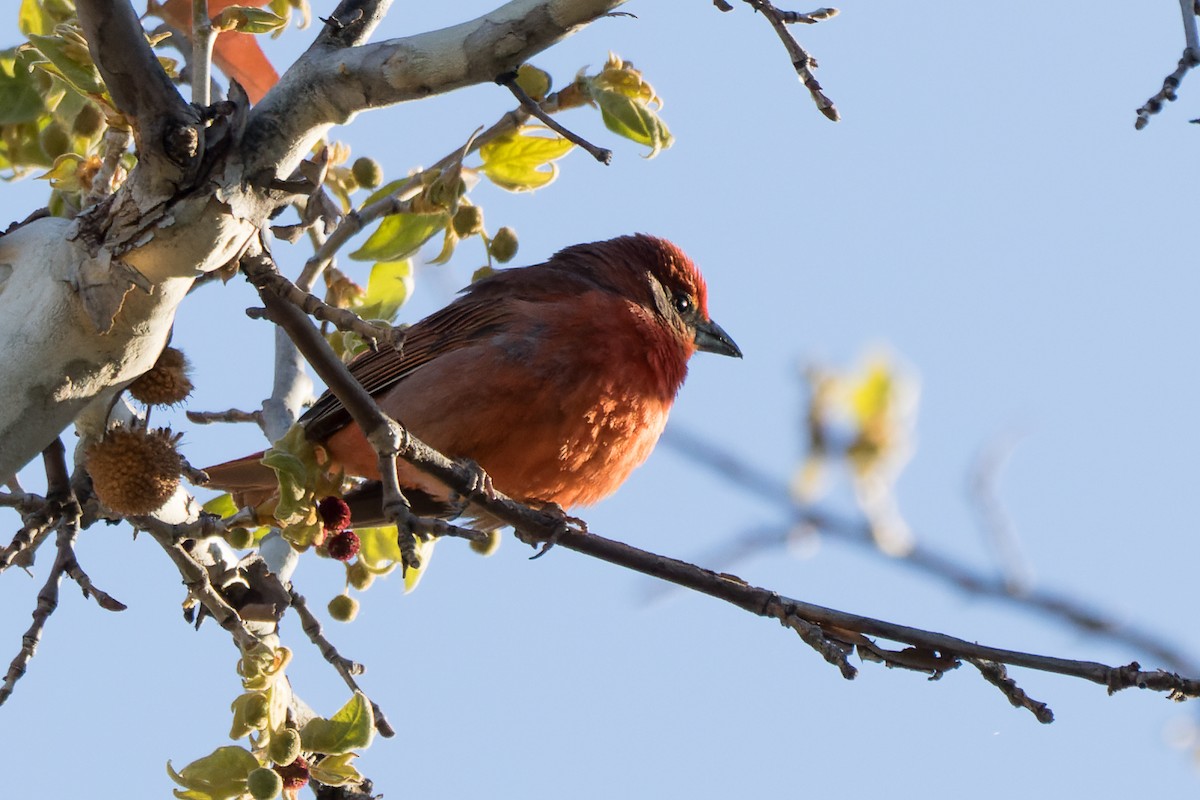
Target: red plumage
556,379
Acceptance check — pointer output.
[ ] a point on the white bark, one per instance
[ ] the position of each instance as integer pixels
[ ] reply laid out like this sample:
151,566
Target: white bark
86,306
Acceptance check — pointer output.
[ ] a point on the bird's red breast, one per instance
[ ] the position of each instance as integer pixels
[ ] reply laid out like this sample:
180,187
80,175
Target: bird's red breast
556,379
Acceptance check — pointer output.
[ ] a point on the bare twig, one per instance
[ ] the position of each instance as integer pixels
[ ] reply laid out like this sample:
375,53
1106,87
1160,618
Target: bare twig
803,63
509,79
345,667
116,142
384,434
994,520
997,676
1189,59
344,319
47,601
203,39
923,558
399,200
230,415
195,577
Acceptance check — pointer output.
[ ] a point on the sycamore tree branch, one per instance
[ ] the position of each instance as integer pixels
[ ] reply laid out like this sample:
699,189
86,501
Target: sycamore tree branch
831,632
923,558
328,87
1189,59
167,126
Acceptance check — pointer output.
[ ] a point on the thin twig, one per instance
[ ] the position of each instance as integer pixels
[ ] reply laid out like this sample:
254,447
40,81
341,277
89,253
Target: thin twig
345,667
230,415
342,318
355,221
384,434
47,602
116,142
199,586
203,40
994,519
1189,59
923,558
997,676
509,79
803,63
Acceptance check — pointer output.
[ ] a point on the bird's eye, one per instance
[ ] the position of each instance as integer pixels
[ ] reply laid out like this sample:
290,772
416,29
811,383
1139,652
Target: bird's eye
682,303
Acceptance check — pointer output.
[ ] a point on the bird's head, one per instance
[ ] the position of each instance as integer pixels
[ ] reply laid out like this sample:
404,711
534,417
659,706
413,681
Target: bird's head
658,275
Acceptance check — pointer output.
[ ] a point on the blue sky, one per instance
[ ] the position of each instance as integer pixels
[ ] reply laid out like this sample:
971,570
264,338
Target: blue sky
985,210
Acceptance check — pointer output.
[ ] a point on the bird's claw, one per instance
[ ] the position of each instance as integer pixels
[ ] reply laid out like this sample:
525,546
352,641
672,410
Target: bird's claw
566,524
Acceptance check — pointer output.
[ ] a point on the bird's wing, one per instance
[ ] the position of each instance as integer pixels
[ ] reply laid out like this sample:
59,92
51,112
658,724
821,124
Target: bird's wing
484,307
378,370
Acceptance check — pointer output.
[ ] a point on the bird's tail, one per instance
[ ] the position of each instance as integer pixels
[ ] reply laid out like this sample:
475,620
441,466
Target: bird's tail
247,479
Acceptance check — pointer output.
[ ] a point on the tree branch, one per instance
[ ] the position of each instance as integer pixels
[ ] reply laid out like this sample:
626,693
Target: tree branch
922,558
1189,59
168,128
329,86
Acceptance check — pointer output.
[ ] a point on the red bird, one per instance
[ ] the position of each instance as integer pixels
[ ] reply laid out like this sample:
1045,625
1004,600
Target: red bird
556,379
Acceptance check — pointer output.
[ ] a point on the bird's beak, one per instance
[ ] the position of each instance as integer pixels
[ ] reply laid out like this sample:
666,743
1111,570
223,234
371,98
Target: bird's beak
712,339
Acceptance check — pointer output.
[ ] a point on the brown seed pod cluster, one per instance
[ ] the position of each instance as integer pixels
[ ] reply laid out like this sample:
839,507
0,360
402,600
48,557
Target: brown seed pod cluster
134,471
166,383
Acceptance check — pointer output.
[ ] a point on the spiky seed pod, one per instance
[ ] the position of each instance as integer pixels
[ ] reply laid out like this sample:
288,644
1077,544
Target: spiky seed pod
367,172
343,608
343,545
89,121
285,746
166,383
468,221
295,774
335,514
134,471
264,783
504,245
358,576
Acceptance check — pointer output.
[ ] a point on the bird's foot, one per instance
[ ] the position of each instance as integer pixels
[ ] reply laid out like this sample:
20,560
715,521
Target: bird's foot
565,523
478,483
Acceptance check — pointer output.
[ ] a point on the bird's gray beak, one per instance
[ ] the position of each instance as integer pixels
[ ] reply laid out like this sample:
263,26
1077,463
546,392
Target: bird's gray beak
710,338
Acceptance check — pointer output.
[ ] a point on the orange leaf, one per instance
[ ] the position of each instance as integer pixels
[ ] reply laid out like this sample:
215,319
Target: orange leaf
236,54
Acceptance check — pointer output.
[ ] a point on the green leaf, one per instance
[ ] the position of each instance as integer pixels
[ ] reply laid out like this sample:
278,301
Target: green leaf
222,505
353,726
244,19
400,236
221,775
389,286
20,100
520,162
378,548
335,770
71,62
33,19
629,117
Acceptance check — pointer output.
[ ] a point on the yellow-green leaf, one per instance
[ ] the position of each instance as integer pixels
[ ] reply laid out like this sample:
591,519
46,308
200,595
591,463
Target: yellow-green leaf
71,62
222,505
522,162
633,119
245,19
353,726
34,19
335,770
221,775
20,100
378,548
388,288
400,236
